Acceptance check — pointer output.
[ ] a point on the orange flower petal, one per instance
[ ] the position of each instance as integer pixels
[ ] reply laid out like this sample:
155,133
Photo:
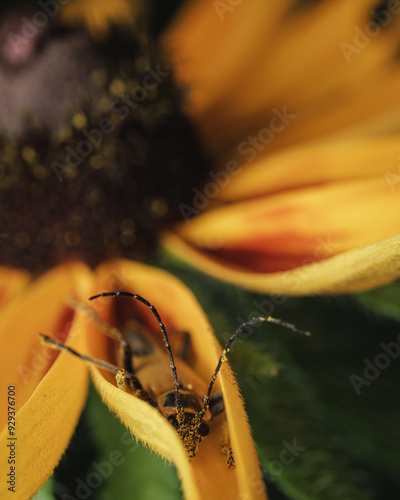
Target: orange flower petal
299,60
50,387
207,475
98,15
283,231
314,164
352,271
206,66
11,282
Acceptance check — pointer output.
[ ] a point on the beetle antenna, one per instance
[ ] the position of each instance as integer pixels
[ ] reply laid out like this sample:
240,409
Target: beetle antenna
178,405
253,321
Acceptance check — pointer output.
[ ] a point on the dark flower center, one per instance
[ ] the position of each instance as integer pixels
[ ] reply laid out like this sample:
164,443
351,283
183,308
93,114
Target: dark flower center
96,155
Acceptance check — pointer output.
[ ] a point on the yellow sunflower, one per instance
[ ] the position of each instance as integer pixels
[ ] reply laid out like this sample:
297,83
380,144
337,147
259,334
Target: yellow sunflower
91,120
300,105
296,106
47,390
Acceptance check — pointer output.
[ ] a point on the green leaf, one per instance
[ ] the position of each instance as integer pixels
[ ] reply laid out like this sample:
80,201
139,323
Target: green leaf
350,438
384,300
294,449
46,492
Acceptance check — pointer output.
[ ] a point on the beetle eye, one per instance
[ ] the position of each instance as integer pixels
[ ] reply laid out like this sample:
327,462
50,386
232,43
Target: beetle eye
173,420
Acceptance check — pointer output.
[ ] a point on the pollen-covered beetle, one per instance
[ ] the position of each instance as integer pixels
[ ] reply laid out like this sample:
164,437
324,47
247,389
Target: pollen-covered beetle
186,402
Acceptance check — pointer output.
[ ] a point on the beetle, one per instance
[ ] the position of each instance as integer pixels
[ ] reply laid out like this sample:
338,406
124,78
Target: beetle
151,373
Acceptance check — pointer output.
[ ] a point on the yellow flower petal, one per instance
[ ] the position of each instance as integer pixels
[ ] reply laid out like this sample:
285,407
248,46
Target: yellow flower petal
352,271
98,15
50,387
283,231
263,55
313,164
320,63
11,282
207,475
205,53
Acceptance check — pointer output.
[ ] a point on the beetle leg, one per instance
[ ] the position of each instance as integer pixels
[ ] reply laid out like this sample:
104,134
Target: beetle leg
127,382
225,445
125,379
110,331
216,405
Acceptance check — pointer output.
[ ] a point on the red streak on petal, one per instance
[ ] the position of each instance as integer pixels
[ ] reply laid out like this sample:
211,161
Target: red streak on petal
61,333
274,244
273,254
253,261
